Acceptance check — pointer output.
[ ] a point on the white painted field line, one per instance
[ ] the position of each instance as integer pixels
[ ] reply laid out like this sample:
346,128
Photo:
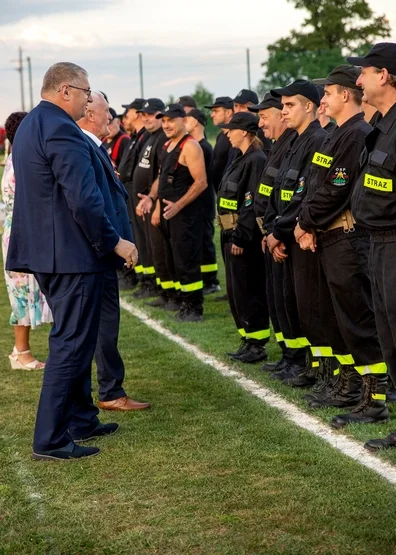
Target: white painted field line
345,445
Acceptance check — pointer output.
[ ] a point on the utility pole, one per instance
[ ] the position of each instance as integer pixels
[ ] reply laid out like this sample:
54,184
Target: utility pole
248,67
20,69
141,75
29,64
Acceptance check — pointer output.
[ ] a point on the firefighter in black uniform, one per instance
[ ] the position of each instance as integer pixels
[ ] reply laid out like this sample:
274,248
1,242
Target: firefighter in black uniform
243,101
118,141
300,101
187,102
374,198
343,248
181,182
195,125
240,239
324,120
275,129
126,169
145,173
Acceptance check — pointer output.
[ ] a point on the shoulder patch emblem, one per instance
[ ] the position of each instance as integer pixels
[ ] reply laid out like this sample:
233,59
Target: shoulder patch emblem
248,198
301,185
340,177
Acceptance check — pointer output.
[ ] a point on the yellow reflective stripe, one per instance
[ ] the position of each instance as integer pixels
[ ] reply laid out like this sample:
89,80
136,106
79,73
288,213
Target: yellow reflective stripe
149,270
345,359
322,160
378,396
262,334
336,372
279,336
286,194
298,343
265,190
167,284
322,351
192,286
229,204
378,368
378,183
177,285
139,269
242,332
209,268
315,364
157,281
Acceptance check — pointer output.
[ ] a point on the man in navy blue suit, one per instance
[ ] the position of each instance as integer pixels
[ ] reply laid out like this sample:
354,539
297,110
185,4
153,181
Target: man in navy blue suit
111,370
68,231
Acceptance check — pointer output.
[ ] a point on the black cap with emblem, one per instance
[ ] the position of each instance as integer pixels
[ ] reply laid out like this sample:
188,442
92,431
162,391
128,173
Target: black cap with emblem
137,104
151,106
242,120
187,101
269,101
172,111
245,96
222,102
198,115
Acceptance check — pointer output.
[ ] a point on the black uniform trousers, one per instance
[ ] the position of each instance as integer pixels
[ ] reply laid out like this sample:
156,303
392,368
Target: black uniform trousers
110,367
66,408
301,287
246,289
209,261
141,231
165,272
183,247
382,256
284,304
344,259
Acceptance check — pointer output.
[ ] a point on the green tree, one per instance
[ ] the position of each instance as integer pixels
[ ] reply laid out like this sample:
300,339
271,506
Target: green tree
332,30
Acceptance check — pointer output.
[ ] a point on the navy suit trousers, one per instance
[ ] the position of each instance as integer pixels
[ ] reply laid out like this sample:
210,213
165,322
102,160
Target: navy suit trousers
66,408
109,363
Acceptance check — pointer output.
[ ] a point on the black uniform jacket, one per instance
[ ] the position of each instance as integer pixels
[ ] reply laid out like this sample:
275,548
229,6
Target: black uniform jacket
334,170
270,171
130,157
374,196
235,195
289,187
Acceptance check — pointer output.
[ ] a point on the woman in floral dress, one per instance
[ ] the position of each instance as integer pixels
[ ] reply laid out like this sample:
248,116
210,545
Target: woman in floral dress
29,307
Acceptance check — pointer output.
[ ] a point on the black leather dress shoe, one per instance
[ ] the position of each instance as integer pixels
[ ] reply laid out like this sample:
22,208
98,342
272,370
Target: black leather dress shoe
100,431
69,451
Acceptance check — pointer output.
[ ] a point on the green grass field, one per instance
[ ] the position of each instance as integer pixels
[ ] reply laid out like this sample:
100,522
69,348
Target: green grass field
208,470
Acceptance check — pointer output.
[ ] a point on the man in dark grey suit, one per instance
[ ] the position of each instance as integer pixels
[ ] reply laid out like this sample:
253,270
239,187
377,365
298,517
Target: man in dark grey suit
111,370
68,231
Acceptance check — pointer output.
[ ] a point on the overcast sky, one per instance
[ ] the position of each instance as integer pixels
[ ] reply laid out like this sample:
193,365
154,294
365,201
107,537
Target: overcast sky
181,45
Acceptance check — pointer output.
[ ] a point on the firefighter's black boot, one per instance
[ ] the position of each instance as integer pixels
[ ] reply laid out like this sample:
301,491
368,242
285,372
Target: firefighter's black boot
372,407
346,393
327,377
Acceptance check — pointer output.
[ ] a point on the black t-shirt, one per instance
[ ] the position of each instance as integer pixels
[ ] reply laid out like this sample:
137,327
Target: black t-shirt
131,155
146,170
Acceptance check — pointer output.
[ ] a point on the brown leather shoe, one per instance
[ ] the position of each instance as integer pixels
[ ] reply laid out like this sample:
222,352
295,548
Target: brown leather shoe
123,403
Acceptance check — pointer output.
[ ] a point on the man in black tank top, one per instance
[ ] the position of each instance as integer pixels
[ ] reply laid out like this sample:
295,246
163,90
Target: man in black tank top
181,181
195,125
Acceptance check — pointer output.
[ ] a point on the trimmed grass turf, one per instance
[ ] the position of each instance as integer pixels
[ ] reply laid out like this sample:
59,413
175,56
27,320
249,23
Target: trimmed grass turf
209,470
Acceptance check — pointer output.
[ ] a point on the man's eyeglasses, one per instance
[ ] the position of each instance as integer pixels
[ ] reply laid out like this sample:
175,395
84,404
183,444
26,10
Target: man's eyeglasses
88,92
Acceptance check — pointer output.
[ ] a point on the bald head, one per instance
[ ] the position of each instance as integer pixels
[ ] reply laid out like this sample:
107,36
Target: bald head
97,116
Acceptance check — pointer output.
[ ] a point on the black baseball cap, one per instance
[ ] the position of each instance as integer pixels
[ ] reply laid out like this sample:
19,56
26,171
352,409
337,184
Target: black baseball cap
172,111
382,55
343,75
198,115
300,86
245,95
320,90
242,120
137,104
222,102
269,101
187,101
113,113
151,106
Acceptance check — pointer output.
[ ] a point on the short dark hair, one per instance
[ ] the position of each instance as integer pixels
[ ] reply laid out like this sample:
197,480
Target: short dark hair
12,123
357,94
59,73
391,78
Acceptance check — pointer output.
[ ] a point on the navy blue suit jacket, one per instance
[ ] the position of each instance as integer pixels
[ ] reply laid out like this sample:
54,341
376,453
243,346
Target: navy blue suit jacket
67,211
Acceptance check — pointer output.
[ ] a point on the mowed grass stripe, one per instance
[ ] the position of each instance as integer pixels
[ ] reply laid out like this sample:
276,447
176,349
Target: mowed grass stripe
209,470
346,446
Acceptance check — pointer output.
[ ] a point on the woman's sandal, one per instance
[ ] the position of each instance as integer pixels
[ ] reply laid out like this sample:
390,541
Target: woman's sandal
16,364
